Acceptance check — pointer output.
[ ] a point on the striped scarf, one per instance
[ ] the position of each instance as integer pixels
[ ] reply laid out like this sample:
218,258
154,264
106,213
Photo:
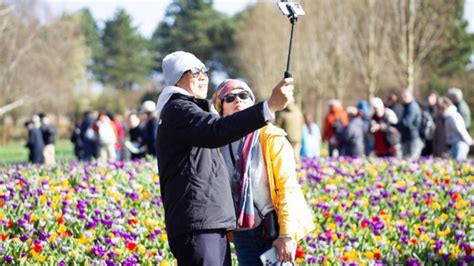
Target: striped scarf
250,160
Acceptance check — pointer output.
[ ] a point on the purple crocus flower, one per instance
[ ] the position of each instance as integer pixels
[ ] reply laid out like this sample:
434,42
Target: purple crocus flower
23,238
7,259
413,262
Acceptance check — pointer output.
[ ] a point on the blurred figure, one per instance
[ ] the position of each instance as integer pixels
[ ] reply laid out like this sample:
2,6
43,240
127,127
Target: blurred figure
151,126
49,138
107,136
386,135
352,139
334,123
117,122
457,136
409,124
77,141
135,144
364,111
311,139
89,137
432,110
394,104
35,141
456,97
291,120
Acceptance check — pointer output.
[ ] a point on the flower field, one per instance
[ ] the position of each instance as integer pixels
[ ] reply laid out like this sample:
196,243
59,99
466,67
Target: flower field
371,212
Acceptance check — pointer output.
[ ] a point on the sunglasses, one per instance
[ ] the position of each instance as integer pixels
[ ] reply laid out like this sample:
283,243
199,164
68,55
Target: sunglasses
243,95
196,71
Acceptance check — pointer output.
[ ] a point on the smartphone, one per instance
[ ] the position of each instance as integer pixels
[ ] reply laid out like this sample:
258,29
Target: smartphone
291,8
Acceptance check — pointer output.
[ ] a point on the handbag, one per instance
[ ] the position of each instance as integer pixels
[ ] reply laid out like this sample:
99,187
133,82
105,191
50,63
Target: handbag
271,229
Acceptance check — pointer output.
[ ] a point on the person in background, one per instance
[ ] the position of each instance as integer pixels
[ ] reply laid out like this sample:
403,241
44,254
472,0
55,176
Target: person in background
394,104
291,120
77,141
151,127
334,123
364,112
352,138
35,141
382,126
89,136
409,124
117,122
107,136
135,145
432,108
49,138
311,139
456,97
194,181
457,136
262,171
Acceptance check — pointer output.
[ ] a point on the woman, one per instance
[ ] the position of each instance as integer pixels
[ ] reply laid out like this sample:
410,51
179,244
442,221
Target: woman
386,136
263,179
457,136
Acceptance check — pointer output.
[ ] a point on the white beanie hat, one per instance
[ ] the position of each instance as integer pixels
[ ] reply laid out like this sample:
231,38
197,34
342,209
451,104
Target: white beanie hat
176,63
148,107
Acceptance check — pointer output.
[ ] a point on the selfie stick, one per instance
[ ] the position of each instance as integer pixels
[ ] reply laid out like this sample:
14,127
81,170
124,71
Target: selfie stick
293,18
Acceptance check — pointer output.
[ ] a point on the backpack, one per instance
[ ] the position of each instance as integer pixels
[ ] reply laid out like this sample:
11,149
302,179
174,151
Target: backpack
427,126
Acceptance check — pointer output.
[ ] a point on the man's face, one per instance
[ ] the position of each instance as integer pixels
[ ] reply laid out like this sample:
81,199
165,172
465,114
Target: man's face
196,82
432,99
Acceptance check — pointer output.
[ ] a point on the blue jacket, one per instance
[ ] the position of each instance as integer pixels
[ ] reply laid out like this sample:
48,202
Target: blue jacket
409,123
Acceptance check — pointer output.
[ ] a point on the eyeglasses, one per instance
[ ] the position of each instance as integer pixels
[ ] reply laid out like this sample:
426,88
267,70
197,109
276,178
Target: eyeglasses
243,95
196,71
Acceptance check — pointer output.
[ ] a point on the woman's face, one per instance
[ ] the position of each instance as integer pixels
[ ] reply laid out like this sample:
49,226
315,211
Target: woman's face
238,104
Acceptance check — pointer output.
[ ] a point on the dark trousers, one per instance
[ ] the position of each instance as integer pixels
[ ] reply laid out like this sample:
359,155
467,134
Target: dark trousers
206,248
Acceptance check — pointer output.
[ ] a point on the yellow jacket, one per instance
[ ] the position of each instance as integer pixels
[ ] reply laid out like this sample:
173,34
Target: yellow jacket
294,216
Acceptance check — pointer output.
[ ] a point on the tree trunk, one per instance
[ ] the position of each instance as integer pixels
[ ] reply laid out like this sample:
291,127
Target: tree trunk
411,46
11,106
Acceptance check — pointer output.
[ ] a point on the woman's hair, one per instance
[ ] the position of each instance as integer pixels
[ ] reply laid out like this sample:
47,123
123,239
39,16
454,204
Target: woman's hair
444,103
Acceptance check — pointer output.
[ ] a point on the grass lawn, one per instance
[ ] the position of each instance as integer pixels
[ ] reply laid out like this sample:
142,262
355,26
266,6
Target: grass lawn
16,152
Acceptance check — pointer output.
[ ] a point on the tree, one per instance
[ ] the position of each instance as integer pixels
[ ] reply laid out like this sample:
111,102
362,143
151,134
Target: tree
418,27
40,62
194,26
456,47
92,38
126,59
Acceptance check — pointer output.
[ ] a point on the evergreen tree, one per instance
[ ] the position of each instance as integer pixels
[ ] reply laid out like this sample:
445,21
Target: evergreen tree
194,26
126,59
457,44
92,40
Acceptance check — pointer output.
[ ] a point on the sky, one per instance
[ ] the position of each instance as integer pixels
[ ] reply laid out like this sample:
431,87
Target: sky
146,14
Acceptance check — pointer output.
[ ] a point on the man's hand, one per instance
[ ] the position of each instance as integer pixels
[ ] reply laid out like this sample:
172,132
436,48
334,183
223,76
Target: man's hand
281,96
285,248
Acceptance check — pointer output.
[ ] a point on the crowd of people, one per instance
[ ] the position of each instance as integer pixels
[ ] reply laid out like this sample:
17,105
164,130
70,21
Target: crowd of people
41,139
400,127
107,136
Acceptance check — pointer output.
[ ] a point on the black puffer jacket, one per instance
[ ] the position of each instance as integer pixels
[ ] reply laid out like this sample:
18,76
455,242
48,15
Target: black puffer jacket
193,179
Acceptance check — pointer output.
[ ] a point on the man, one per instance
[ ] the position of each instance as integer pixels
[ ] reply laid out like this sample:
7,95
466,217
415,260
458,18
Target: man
409,124
352,138
455,95
49,138
35,141
151,126
291,120
193,177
